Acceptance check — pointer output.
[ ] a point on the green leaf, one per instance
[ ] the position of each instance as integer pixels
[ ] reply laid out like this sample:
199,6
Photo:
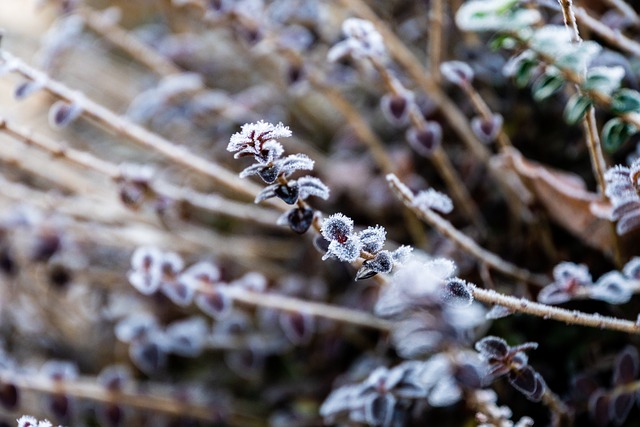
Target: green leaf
546,85
524,72
604,79
625,100
615,133
502,41
576,108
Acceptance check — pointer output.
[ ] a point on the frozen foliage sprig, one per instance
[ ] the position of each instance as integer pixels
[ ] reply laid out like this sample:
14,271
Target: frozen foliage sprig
260,141
513,362
622,190
573,281
29,421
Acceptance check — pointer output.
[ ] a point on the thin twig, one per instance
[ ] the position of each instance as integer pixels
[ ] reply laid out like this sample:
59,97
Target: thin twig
626,10
614,38
572,317
122,126
465,242
208,202
121,38
589,122
436,25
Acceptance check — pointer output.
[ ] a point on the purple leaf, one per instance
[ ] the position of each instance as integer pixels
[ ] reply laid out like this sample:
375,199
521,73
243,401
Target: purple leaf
61,114
619,407
379,408
298,327
492,347
457,72
599,408
395,107
288,193
373,238
215,303
456,293
9,396
627,366
524,380
299,219
487,130
426,139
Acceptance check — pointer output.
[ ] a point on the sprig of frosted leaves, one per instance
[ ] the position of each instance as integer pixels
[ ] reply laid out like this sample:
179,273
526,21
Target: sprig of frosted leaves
260,140
347,245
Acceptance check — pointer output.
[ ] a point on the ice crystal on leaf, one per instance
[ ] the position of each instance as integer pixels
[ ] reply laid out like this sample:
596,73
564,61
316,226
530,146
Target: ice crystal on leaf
570,280
312,186
362,41
347,250
259,140
432,199
337,227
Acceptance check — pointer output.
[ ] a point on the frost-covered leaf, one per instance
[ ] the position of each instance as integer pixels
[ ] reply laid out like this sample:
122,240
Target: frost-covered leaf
521,67
23,90
215,303
456,293
347,251
599,408
382,263
492,347
395,106
524,380
546,85
631,269
627,366
401,255
625,101
294,162
433,199
612,287
487,130
338,227
379,408
426,139
576,108
288,193
498,312
495,15
266,193
620,406
604,79
299,219
615,133
259,140
445,393
297,326
373,238
187,337
457,72
362,41
312,186
61,114
134,326
553,294
148,356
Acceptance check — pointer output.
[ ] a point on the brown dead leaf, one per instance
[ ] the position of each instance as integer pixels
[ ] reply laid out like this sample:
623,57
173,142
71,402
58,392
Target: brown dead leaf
565,198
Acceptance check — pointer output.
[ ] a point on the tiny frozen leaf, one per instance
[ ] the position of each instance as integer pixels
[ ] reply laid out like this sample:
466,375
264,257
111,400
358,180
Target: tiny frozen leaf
114,377
524,380
288,193
297,326
487,130
599,408
379,408
433,199
631,269
215,303
23,90
426,139
615,133
612,287
402,254
201,274
553,294
298,219
312,186
445,392
495,15
148,356
186,337
295,162
179,292
338,227
625,101
627,366
61,114
266,193
456,293
348,251
576,108
134,326
546,86
382,263
604,79
373,238
492,347
499,312
620,406
457,72
395,107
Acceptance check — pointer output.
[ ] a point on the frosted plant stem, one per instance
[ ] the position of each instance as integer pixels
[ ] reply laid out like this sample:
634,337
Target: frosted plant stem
118,36
121,126
589,121
614,38
436,24
462,240
208,202
626,10
316,309
88,389
570,317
